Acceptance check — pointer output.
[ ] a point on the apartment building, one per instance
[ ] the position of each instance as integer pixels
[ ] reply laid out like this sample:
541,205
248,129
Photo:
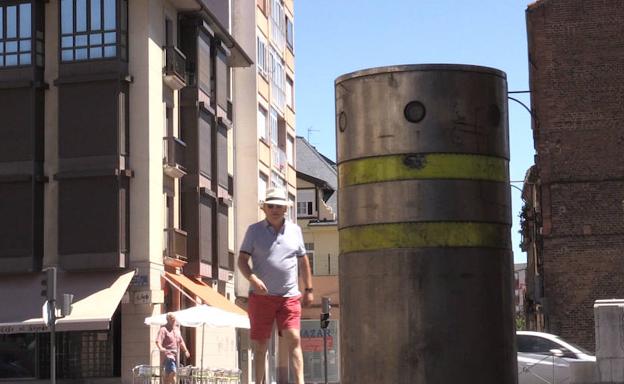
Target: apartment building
265,111
574,232
117,167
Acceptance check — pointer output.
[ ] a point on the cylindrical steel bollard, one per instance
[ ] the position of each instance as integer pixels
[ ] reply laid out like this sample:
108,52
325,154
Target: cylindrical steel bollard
424,226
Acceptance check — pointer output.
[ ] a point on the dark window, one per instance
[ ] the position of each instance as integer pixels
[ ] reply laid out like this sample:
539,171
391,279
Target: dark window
19,356
93,29
79,354
534,344
311,261
222,222
206,230
85,227
16,35
222,166
83,354
204,64
290,34
222,73
205,145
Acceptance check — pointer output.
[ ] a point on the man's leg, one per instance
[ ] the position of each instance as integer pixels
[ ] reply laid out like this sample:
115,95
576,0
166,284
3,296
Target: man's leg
169,372
260,353
296,356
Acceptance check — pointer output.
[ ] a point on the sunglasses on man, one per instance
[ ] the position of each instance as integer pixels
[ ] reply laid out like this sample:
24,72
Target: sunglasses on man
271,206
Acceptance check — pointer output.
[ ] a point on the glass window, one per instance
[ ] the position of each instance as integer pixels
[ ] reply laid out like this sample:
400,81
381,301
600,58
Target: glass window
262,56
291,208
89,29
109,14
277,75
16,34
310,255
25,20
262,122
306,199
290,94
11,22
263,180
274,127
290,34
277,181
96,15
534,344
18,355
81,15
290,150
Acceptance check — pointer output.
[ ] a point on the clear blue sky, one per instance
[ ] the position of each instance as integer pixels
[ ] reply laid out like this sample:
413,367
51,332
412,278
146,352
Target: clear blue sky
334,37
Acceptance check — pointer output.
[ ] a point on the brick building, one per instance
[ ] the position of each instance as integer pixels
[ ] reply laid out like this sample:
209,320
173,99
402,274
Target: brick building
574,219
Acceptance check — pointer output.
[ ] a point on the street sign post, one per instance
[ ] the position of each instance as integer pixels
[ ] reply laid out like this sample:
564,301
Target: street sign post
48,312
326,306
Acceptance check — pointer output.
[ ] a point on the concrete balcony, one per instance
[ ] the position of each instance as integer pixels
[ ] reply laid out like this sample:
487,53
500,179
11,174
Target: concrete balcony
174,72
175,245
174,154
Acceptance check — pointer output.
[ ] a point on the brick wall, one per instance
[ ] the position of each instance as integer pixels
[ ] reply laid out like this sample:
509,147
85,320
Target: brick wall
576,64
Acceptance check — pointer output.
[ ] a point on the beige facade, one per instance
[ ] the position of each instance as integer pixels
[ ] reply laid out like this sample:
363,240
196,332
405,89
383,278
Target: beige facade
264,142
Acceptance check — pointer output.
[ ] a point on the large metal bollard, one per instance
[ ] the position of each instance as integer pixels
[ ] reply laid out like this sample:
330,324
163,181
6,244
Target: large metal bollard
424,226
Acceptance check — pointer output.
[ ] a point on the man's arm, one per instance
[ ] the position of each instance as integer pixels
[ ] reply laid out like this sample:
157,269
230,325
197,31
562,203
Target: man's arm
243,266
183,345
306,276
159,339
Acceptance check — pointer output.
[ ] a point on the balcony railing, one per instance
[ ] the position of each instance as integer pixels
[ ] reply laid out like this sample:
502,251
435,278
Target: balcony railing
175,74
175,244
174,151
280,160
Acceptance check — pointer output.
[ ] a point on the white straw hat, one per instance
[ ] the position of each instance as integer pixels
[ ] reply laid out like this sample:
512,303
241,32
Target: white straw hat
276,196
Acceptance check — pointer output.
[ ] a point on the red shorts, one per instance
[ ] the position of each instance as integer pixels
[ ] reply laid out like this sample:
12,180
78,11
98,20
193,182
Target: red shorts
264,309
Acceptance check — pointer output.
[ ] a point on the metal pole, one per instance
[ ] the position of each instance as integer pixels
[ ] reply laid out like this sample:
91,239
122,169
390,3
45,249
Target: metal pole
52,314
325,351
202,349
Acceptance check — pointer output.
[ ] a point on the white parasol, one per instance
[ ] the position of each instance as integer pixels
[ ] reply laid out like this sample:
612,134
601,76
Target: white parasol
202,315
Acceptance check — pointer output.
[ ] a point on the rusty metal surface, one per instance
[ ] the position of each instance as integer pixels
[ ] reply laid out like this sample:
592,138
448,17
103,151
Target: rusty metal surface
424,200
425,226
466,112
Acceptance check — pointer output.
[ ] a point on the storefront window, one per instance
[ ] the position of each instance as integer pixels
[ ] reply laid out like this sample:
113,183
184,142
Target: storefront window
18,355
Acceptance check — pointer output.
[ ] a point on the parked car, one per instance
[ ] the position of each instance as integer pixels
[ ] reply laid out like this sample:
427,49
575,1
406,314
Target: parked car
546,358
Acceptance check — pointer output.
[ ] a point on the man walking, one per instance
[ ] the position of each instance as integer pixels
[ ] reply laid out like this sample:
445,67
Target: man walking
275,246
169,342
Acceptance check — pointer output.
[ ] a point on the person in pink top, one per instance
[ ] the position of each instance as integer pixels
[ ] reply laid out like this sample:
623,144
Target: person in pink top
169,342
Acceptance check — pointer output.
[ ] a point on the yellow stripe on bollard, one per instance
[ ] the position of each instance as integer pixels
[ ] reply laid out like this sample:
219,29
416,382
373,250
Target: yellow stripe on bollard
422,166
422,235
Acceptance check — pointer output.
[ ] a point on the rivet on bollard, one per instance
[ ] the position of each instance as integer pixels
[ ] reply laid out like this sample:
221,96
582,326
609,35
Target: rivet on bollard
414,111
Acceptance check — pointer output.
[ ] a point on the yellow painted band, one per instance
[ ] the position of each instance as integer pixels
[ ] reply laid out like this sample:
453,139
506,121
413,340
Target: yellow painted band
431,234
422,166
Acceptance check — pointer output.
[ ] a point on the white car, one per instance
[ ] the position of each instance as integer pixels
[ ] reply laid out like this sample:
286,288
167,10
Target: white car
544,358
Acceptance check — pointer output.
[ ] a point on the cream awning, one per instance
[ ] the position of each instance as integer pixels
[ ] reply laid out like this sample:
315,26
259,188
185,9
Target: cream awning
96,297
